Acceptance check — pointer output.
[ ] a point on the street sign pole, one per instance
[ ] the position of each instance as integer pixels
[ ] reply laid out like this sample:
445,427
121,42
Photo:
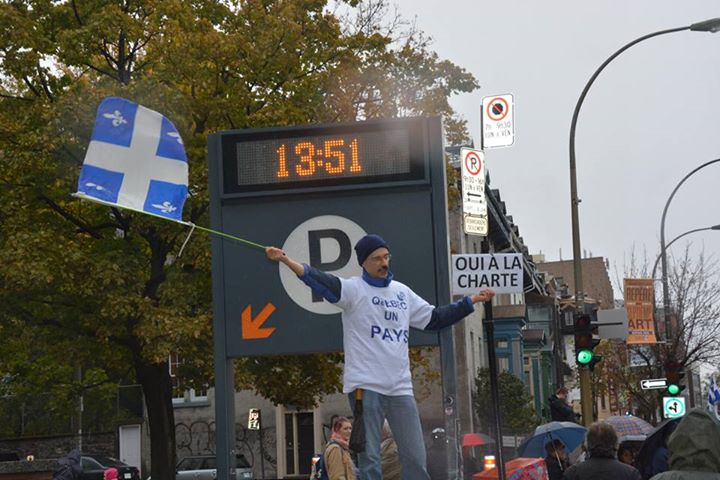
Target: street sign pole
494,394
586,403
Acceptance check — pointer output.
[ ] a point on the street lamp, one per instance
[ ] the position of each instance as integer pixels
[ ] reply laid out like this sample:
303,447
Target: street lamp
712,26
695,230
660,255
663,248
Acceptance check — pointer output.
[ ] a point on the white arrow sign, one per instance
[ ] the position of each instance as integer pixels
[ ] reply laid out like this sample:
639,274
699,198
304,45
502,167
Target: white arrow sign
651,384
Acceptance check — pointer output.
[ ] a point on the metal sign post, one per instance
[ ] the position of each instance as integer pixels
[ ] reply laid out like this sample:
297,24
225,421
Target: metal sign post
494,395
502,272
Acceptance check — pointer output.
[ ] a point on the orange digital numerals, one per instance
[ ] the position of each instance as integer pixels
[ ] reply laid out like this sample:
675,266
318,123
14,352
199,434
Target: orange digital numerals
332,158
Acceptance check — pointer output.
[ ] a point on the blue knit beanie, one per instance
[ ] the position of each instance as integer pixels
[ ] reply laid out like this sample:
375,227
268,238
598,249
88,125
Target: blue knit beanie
368,244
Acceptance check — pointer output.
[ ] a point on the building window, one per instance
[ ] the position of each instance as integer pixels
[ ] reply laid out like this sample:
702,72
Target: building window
501,344
503,364
173,366
182,395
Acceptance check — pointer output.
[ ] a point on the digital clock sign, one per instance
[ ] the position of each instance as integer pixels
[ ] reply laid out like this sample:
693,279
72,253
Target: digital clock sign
324,156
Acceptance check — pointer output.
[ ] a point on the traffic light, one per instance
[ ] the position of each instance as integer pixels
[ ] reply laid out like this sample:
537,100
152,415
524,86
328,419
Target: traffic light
584,341
674,375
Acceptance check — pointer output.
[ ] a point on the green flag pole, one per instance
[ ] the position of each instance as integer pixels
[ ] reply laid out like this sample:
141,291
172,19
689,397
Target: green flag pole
187,224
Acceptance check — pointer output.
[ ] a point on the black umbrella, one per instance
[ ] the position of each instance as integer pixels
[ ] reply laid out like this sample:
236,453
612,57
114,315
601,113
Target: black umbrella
656,439
357,437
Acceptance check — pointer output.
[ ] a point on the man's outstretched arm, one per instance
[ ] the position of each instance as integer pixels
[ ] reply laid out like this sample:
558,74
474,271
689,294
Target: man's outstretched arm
447,315
277,255
322,283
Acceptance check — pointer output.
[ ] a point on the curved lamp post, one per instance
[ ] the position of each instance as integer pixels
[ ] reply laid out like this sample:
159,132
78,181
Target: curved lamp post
662,252
712,26
695,230
663,249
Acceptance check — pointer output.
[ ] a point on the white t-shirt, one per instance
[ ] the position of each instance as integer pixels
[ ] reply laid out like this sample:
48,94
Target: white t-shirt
376,324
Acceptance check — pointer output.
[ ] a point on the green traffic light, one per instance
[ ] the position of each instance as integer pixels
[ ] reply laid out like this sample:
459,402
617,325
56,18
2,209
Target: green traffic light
584,356
673,389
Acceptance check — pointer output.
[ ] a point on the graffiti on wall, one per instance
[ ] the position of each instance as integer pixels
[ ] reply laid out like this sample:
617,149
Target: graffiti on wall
198,438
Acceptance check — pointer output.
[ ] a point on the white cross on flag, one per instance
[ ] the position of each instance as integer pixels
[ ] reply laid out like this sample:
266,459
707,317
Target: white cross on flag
136,159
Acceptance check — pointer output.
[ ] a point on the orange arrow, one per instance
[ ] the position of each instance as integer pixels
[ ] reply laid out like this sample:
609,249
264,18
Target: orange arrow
252,327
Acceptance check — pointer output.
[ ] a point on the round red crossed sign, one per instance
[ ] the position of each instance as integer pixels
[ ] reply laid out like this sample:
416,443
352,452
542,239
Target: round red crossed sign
473,163
497,109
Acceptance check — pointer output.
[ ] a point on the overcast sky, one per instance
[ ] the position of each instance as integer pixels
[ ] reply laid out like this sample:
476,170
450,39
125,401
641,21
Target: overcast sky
650,118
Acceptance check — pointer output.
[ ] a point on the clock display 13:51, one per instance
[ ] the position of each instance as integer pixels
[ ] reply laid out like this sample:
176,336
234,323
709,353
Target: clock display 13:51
333,157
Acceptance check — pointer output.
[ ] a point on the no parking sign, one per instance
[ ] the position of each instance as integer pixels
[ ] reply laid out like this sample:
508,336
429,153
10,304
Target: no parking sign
498,123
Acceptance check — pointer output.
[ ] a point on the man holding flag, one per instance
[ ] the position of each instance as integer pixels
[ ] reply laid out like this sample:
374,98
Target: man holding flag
377,312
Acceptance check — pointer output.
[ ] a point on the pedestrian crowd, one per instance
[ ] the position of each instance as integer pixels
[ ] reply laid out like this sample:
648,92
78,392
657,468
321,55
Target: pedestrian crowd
684,449
386,440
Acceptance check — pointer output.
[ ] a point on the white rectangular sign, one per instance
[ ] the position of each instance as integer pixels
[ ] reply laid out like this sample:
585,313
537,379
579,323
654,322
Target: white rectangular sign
653,383
474,204
498,121
501,272
475,225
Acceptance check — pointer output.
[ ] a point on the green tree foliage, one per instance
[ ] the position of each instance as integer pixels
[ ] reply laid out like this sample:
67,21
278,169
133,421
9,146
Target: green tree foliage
517,414
101,290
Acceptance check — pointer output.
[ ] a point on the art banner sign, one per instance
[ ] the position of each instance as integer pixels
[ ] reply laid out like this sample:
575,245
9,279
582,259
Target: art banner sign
640,303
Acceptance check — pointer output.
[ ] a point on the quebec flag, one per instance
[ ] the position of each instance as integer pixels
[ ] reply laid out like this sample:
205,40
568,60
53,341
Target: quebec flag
136,159
713,394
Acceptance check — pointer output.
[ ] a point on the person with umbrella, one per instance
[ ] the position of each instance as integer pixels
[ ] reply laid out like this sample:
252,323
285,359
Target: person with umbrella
471,465
694,448
556,459
377,313
601,441
569,433
653,455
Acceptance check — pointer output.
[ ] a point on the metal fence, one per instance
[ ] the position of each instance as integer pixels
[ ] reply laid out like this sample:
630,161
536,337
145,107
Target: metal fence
92,412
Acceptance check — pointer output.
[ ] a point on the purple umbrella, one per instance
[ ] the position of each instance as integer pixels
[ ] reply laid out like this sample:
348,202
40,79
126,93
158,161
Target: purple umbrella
626,425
